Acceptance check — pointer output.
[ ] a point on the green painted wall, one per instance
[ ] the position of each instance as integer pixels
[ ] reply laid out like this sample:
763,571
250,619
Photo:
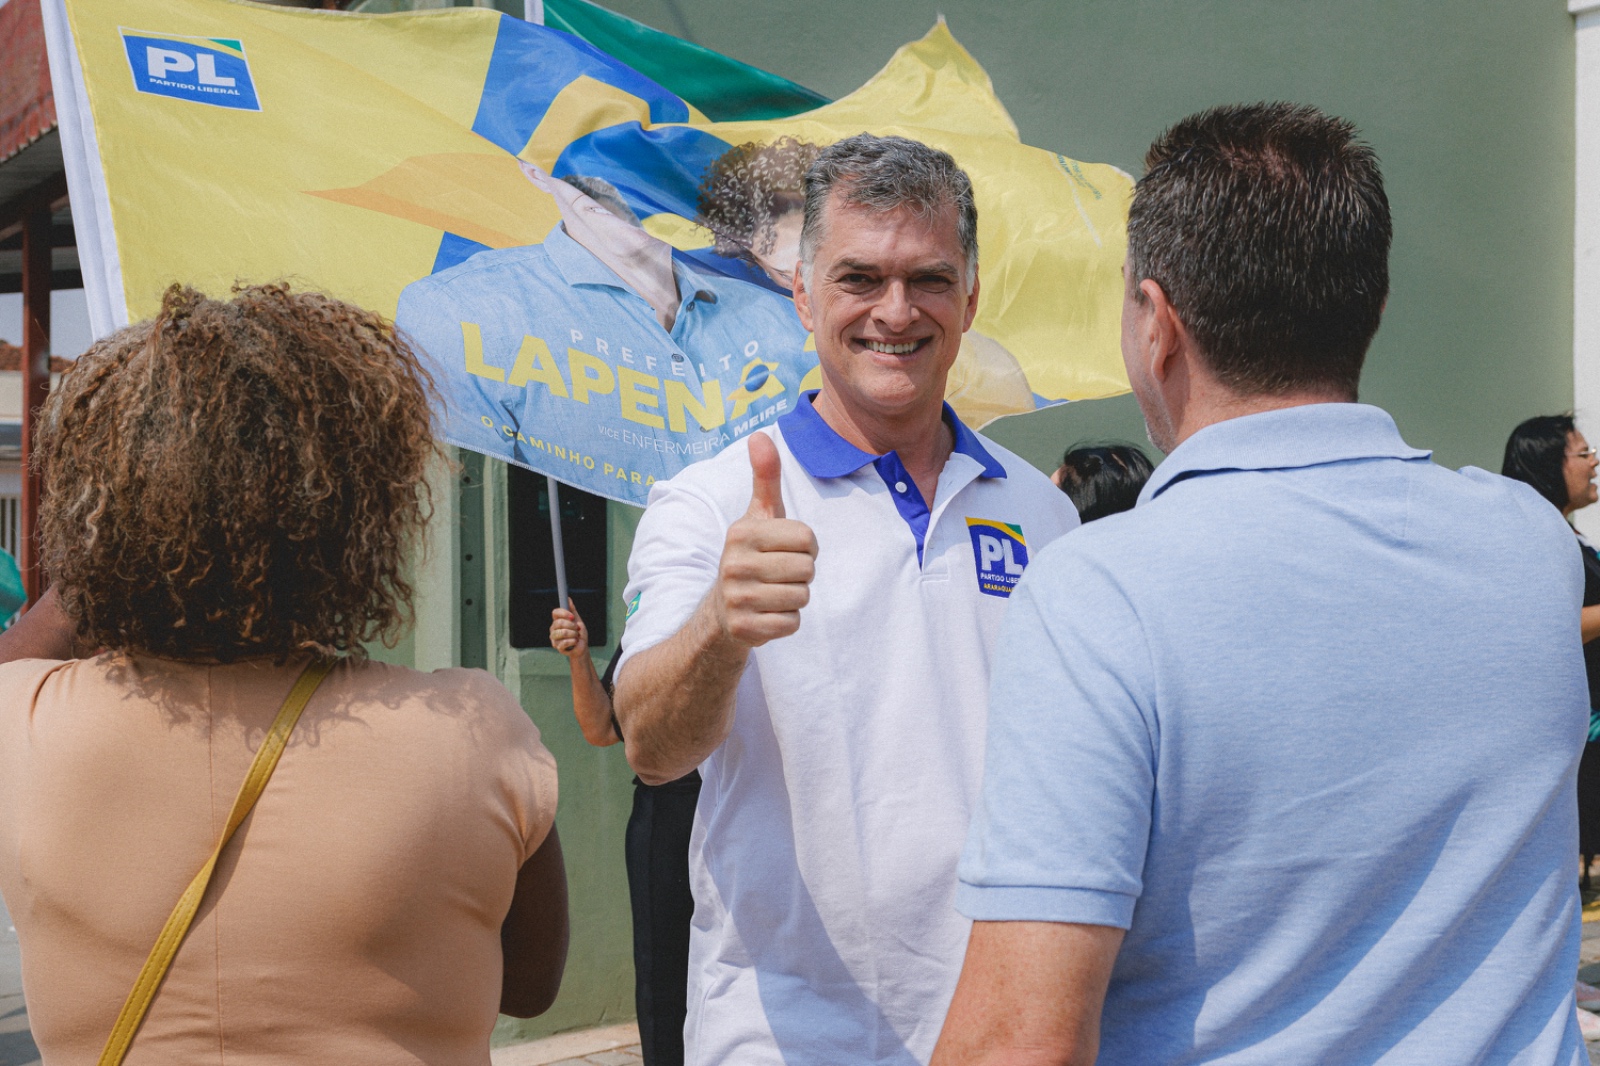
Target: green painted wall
596,796
1470,106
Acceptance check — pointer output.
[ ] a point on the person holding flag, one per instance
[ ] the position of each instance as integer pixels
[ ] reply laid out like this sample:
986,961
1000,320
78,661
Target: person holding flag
816,609
656,852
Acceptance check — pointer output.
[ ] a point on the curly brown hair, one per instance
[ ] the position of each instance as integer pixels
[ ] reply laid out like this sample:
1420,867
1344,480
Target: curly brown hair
238,479
746,189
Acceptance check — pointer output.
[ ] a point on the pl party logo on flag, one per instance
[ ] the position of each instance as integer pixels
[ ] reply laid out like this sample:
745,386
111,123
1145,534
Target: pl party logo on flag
1000,553
207,70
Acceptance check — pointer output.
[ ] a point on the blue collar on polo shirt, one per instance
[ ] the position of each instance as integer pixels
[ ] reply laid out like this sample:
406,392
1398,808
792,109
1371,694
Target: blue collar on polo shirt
825,454
1289,438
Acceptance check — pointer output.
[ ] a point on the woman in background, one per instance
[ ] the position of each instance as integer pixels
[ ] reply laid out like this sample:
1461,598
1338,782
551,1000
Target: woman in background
1550,454
232,493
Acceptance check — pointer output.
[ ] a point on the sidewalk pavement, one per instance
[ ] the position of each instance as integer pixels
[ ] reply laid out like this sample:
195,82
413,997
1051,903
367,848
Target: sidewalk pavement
1589,955
615,1045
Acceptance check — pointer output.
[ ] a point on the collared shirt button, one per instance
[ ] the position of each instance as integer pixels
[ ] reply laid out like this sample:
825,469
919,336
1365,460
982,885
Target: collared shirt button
899,486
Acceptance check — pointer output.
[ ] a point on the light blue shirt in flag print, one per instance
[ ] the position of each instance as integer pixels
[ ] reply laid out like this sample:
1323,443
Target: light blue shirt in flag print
543,357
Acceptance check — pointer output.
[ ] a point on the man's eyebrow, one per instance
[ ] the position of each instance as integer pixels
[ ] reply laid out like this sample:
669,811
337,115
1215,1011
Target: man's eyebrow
846,266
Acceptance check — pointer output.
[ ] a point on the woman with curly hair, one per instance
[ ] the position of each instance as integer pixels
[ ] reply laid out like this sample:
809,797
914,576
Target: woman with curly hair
231,494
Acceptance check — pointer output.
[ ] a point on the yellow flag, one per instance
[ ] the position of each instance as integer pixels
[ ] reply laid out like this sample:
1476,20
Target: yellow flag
436,166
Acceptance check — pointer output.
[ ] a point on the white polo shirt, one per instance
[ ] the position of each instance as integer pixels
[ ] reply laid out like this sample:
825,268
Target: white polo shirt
823,859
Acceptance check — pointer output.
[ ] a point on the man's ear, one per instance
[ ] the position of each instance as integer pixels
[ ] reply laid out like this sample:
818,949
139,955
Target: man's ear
1169,337
802,298
972,304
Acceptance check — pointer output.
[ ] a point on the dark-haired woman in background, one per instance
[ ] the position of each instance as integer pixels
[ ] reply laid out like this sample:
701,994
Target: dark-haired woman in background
1550,454
1102,479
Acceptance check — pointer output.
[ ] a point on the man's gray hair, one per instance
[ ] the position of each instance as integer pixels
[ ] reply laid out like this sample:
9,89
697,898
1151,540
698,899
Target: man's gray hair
885,173
605,194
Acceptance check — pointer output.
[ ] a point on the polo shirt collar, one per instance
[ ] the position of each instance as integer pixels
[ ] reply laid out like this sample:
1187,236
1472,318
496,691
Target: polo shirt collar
579,266
1286,439
825,454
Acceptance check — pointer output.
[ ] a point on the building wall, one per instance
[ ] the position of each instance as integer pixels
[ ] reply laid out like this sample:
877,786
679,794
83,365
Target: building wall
596,795
1469,105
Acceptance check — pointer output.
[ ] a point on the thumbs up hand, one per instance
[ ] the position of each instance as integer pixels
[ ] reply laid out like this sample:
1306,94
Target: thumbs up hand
768,560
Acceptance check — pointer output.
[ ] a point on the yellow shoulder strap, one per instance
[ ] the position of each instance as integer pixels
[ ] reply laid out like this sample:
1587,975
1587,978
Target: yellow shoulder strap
172,934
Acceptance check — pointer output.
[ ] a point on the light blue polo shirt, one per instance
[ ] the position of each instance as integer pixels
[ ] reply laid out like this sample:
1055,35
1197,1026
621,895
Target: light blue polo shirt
1306,722
544,357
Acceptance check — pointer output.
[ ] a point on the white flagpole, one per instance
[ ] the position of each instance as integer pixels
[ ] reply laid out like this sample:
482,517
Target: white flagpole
86,177
533,11
555,540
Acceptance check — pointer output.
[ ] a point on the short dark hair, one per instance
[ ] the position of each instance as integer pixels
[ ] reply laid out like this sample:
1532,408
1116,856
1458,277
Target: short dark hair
1268,229
605,194
1102,479
883,173
1536,452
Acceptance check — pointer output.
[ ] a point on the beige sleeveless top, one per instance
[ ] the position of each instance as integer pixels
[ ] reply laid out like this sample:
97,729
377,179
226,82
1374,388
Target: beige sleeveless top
354,918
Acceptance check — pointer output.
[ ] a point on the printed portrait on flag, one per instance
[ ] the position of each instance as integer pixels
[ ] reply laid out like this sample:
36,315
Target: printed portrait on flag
597,344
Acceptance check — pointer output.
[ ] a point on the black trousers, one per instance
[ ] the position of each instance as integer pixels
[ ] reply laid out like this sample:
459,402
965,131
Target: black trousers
1589,800
657,854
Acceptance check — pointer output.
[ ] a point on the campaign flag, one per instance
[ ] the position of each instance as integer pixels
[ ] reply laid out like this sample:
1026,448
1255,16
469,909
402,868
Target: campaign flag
723,89
595,269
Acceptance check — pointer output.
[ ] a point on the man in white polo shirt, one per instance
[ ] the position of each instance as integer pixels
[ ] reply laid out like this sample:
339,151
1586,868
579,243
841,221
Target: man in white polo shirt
814,613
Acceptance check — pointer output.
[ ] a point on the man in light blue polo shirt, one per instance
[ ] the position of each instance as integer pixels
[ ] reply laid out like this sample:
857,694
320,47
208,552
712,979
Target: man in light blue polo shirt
1281,763
814,613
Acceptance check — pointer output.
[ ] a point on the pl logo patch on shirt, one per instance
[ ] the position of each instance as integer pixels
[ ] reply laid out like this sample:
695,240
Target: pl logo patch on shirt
1000,554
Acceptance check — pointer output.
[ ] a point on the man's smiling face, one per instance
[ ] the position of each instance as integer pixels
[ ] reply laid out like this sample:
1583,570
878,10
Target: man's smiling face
888,302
